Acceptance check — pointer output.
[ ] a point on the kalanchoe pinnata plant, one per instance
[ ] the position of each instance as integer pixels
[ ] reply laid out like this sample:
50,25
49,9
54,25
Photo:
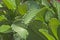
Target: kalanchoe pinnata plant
30,20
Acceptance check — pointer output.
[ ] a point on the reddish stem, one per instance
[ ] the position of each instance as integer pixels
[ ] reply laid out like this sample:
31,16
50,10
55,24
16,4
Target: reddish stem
58,0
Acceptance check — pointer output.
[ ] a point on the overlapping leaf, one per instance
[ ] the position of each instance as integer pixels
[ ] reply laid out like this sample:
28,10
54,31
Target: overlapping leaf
2,17
23,33
22,9
45,32
31,14
53,24
1,5
58,9
40,15
48,16
4,28
45,3
10,4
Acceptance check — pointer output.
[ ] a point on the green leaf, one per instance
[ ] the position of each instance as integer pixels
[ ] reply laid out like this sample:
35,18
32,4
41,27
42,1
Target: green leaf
32,5
39,1
10,4
17,2
48,5
48,16
16,36
33,30
2,17
21,31
53,24
31,14
58,10
54,2
22,9
40,15
45,32
4,28
1,5
45,3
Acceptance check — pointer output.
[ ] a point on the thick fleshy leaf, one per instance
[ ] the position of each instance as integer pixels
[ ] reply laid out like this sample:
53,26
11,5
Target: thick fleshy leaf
21,31
4,28
40,15
45,33
31,14
10,4
53,24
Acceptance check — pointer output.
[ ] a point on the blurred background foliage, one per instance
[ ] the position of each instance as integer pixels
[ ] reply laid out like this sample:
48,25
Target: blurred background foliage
29,20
